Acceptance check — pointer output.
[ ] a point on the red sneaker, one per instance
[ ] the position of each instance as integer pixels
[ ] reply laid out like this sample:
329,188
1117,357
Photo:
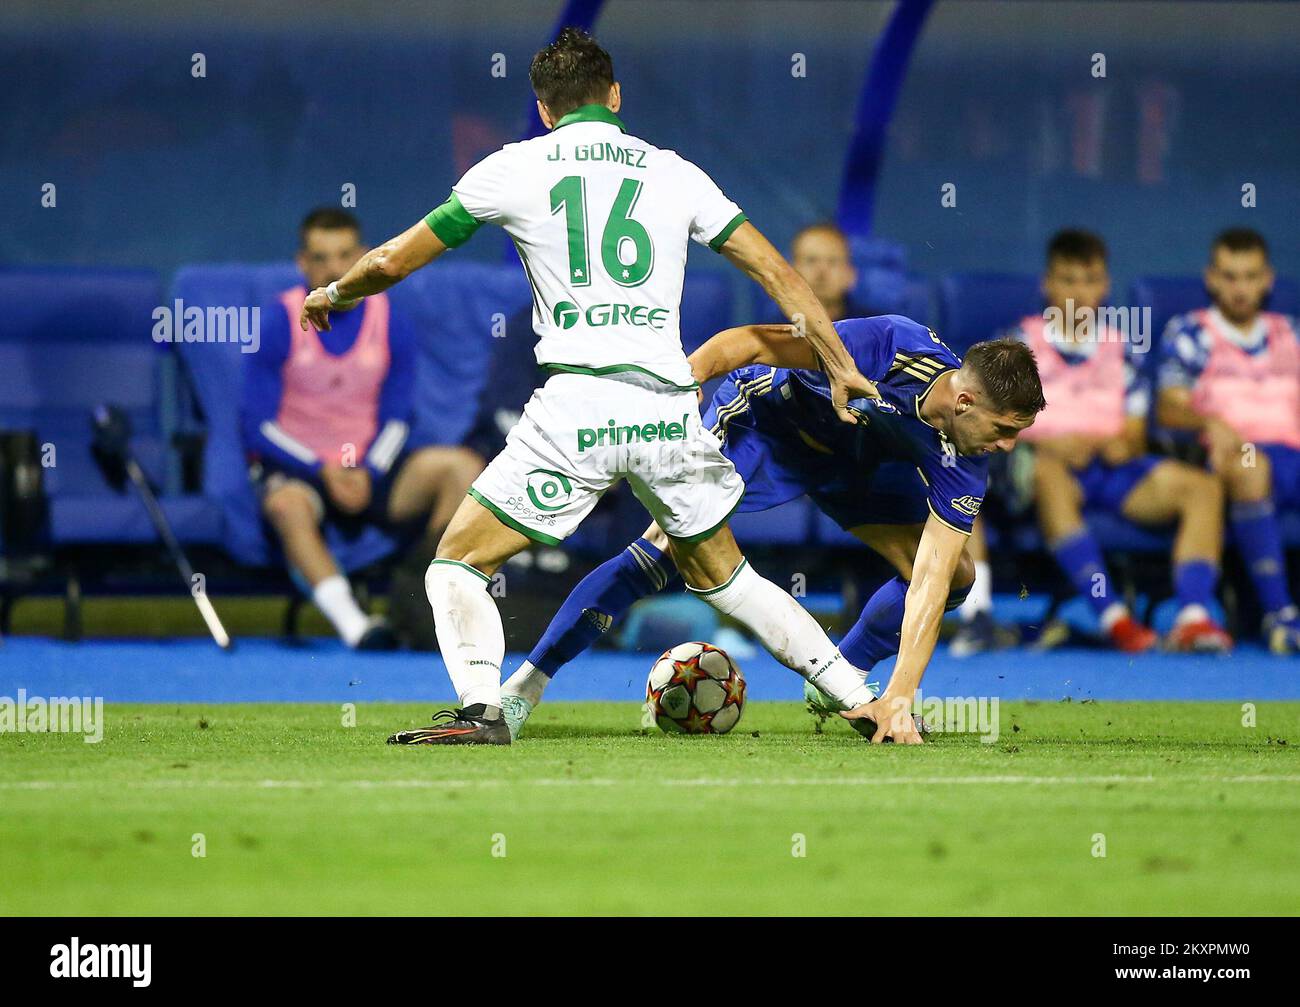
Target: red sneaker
1199,636
1131,636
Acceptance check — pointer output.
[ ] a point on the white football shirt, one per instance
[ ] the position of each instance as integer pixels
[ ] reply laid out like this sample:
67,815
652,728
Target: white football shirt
601,220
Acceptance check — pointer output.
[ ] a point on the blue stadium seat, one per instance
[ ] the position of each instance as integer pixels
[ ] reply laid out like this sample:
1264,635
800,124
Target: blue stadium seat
706,307
976,306
77,338
458,304
1168,296
884,284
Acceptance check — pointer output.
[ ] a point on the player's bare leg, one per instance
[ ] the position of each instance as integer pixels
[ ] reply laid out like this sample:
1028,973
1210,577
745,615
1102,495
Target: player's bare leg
470,634
522,691
430,486
642,564
294,510
433,481
1193,498
1060,515
715,570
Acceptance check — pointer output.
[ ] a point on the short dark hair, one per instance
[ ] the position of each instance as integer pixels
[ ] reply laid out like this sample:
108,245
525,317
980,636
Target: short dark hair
570,72
1008,373
1239,239
327,218
1075,245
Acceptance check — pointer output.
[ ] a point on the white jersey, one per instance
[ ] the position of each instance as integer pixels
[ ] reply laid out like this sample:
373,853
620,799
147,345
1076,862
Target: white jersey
601,221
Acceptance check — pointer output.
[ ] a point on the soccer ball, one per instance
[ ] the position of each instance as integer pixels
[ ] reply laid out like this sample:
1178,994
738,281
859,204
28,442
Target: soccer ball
695,688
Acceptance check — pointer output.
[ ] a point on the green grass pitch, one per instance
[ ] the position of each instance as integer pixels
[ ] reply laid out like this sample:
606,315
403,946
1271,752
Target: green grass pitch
300,814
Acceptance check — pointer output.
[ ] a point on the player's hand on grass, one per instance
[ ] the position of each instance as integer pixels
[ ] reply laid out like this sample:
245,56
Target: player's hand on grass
316,311
893,718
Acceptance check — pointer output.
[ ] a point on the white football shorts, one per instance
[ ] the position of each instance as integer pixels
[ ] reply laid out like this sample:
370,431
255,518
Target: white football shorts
580,434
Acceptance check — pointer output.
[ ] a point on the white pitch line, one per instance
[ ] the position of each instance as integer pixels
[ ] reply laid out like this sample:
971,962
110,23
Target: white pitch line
842,781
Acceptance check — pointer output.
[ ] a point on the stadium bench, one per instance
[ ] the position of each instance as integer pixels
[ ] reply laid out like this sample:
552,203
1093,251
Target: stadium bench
458,303
77,338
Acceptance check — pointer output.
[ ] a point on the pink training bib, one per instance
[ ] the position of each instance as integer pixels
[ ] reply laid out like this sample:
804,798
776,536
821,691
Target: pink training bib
1084,399
1258,395
331,402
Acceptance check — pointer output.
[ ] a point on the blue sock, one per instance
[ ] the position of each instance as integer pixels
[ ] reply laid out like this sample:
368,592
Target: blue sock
600,598
1194,582
1259,540
1080,558
876,634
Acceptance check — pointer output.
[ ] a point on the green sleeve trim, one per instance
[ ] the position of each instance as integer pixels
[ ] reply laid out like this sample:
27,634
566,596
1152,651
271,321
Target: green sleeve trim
510,522
722,236
452,223
465,566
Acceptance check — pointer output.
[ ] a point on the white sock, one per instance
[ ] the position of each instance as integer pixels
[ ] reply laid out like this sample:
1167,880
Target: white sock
527,683
789,633
980,598
1191,613
333,596
470,634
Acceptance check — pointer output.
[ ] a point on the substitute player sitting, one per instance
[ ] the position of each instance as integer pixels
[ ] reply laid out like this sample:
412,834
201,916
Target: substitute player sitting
1231,373
908,481
325,417
602,221
1090,451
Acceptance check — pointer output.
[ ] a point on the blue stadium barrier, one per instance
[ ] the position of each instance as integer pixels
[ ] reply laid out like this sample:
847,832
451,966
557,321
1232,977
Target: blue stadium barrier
76,338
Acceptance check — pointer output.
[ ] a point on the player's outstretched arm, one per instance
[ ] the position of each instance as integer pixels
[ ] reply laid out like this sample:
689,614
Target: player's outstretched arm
937,557
759,259
377,270
774,345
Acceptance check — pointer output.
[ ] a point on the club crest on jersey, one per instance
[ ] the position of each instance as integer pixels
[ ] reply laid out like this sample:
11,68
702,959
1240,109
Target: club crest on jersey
549,491
968,505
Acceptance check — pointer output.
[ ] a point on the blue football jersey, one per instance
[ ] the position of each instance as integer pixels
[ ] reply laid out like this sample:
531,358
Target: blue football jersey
903,358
